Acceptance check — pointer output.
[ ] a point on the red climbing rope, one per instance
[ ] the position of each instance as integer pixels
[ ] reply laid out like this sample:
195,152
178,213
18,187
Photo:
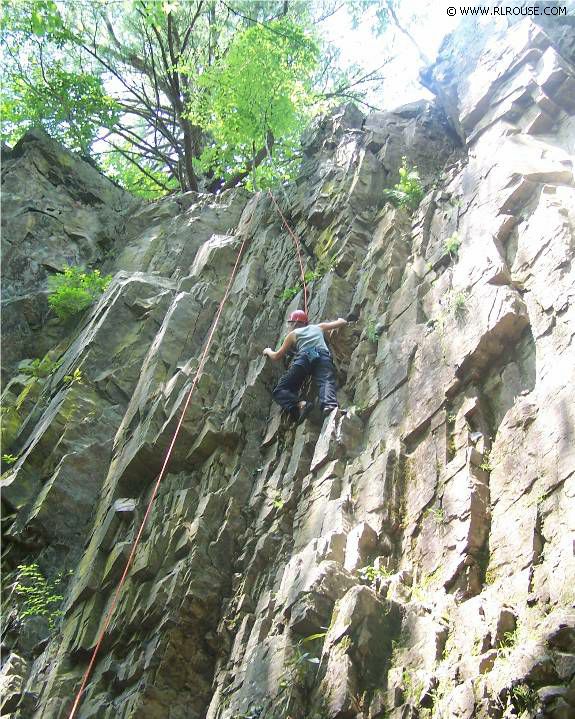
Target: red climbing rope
156,487
298,249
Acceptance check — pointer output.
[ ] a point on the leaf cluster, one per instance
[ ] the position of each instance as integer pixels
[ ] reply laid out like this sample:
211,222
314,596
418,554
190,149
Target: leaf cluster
40,368
408,192
258,91
40,86
38,596
371,330
175,94
74,290
371,574
452,245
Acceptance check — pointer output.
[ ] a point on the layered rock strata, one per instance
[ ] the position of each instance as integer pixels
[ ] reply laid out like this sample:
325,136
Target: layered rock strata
409,556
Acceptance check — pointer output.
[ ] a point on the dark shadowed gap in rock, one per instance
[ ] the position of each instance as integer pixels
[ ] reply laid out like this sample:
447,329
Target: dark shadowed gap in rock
504,384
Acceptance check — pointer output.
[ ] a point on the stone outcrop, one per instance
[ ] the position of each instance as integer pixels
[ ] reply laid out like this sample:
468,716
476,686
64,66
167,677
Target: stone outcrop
408,556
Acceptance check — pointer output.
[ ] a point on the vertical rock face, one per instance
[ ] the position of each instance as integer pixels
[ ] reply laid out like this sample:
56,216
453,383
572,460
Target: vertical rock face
408,556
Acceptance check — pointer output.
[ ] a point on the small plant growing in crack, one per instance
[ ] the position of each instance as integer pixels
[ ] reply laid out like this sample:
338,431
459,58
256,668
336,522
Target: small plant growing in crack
38,595
436,513
452,245
458,305
408,192
277,500
524,698
486,465
75,377
371,574
371,330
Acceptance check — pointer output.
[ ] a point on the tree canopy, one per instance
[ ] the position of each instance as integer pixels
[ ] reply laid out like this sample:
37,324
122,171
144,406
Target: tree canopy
173,94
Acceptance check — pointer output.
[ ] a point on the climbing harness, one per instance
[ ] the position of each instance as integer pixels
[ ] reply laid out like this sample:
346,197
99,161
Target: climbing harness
298,249
156,486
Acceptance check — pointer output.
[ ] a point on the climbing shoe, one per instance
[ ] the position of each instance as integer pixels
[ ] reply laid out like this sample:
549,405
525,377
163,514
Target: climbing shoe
328,410
304,411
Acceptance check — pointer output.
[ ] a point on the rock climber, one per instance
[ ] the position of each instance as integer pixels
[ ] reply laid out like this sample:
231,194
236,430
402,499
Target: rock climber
312,358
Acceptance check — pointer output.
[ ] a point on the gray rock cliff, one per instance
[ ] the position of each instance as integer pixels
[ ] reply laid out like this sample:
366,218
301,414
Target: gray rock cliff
409,556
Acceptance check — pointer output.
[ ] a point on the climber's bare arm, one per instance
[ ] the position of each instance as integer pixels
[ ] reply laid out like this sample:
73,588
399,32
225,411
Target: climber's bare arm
289,342
326,326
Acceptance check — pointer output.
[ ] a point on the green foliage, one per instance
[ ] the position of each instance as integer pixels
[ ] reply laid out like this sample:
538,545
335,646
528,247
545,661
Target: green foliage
276,500
324,266
40,368
71,106
76,376
120,79
509,640
257,94
9,458
371,330
9,424
436,513
40,87
409,191
38,596
458,301
24,394
524,698
420,590
75,290
452,244
289,293
40,18
456,305
412,687
486,465
371,574
130,176
296,674
490,576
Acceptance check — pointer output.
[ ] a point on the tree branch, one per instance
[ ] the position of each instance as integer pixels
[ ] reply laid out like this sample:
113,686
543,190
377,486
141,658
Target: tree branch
259,157
143,170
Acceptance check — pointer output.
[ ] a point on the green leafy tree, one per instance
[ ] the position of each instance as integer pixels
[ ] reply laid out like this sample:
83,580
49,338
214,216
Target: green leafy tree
38,89
128,81
73,109
258,92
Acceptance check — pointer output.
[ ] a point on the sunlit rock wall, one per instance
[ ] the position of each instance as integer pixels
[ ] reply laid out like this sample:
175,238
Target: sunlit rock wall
410,556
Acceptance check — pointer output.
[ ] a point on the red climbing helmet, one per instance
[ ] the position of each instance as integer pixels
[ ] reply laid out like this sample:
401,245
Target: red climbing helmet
298,316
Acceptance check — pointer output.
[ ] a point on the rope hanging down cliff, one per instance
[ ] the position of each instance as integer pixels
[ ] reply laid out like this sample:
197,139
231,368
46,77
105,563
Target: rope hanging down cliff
298,249
157,485
195,381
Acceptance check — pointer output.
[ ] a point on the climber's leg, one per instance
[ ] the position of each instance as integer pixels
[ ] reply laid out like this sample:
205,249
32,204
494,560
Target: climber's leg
286,393
324,376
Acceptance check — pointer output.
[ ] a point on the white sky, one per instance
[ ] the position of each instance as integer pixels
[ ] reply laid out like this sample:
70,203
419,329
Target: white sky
427,21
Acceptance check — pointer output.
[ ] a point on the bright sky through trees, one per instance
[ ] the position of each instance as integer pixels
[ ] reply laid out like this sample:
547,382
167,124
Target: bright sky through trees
428,22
